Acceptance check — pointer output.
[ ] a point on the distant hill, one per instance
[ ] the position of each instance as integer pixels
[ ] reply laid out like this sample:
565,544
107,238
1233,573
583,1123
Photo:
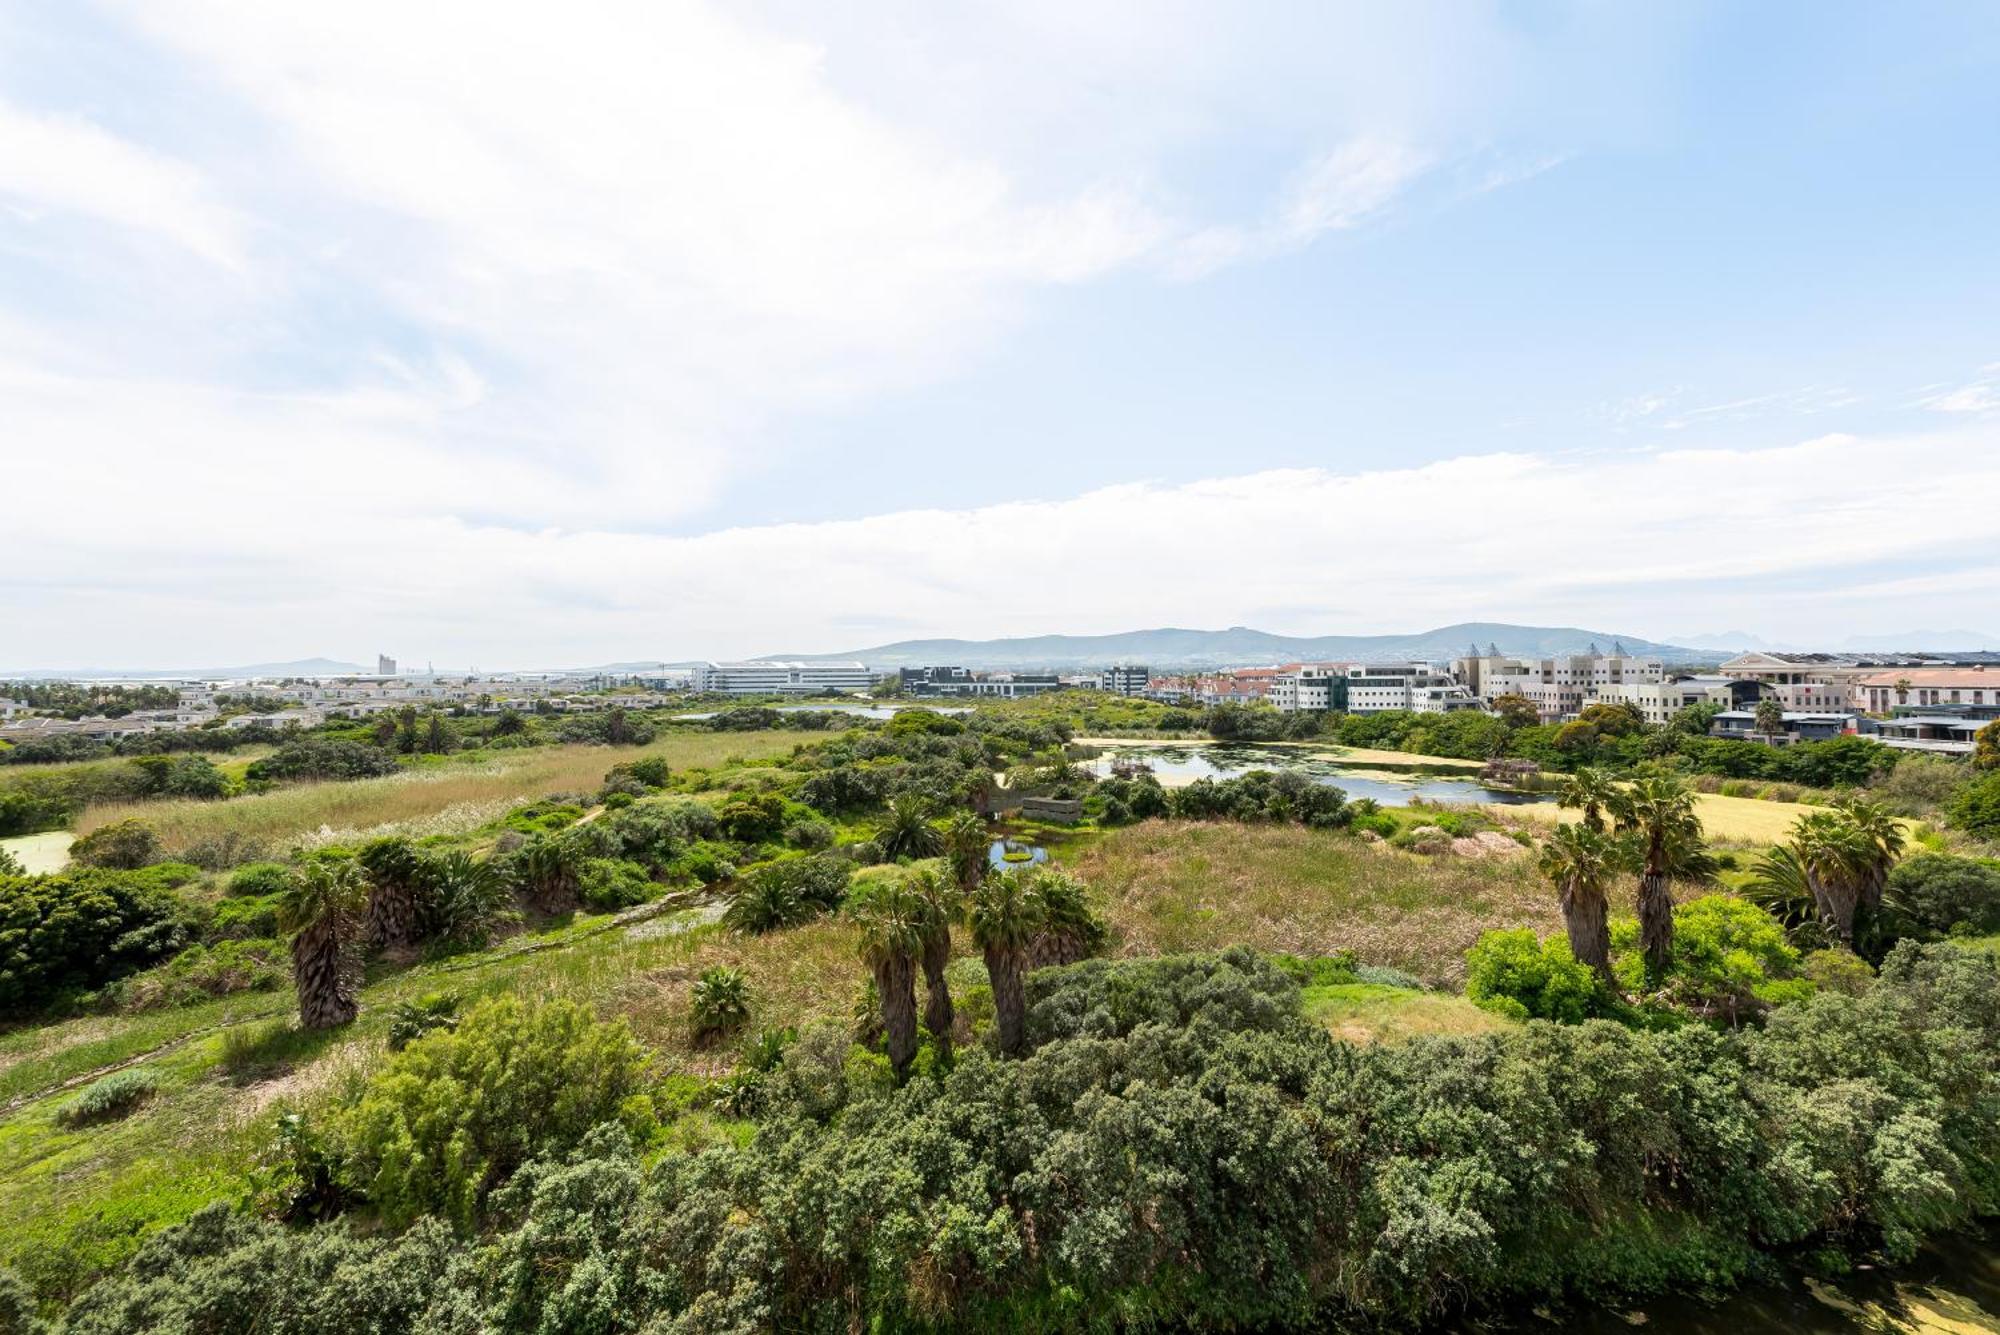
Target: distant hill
1921,641
304,667
1241,646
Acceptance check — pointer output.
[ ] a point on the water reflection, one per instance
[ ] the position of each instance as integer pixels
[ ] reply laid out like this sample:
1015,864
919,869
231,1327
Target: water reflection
1388,785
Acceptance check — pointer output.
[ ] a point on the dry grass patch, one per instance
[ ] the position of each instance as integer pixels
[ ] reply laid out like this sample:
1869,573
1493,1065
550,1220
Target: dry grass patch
1170,887
1378,1013
1736,820
437,799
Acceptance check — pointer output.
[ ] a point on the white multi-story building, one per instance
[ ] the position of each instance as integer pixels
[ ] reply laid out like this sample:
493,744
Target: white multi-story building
781,678
1658,701
1125,679
1370,688
1558,687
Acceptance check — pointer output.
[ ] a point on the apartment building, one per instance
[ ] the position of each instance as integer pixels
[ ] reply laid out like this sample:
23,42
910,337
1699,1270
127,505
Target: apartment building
1658,701
781,678
926,682
1558,687
1886,692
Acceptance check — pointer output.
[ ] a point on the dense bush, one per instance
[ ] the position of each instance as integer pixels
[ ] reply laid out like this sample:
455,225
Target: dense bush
1729,956
1936,892
1262,795
458,1110
608,884
105,1100
125,845
1513,973
260,878
1184,1149
76,931
1976,808
322,758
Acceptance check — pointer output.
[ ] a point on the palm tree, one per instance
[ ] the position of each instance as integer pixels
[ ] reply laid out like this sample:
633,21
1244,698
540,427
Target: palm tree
1902,690
1780,885
549,870
909,832
1770,716
892,917
320,914
968,849
391,866
1068,928
461,898
941,902
1005,914
1838,859
1591,791
1581,860
1659,813
1885,835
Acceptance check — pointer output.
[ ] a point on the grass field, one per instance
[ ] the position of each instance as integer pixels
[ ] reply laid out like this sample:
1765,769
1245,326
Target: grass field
1377,1012
444,798
1739,820
1176,886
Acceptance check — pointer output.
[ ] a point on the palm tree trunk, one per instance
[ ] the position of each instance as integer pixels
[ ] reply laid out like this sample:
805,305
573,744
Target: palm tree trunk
392,915
1010,997
937,993
1586,915
322,977
1656,920
895,979
1836,897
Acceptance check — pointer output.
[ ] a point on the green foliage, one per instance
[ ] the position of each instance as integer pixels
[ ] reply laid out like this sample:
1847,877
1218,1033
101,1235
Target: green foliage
788,892
1261,795
106,1100
457,1111
609,884
1936,892
1976,808
78,930
908,831
10,866
204,971
753,818
719,1002
411,1020
1512,973
125,845
1726,953
260,878
320,760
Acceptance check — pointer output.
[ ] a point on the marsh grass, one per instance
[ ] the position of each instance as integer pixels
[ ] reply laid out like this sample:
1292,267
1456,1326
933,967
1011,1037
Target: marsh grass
449,797
1178,886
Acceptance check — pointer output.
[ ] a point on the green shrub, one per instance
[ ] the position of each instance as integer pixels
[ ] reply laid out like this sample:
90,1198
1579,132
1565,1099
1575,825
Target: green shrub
1936,892
411,1020
125,845
245,919
80,929
322,759
457,1111
106,1100
1728,954
1976,807
719,1003
1512,973
201,972
608,884
707,863
260,878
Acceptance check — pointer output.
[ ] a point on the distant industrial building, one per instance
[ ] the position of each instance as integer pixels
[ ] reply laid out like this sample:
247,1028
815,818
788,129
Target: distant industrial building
385,666
781,678
1370,688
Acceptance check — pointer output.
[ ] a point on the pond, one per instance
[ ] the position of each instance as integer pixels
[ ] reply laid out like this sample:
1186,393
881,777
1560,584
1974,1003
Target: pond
1025,853
1388,785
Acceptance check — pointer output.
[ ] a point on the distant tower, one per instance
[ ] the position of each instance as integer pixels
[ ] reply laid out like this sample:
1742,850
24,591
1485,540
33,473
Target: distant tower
385,666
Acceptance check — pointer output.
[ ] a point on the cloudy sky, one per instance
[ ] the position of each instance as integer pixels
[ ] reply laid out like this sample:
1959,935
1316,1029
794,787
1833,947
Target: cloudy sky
537,334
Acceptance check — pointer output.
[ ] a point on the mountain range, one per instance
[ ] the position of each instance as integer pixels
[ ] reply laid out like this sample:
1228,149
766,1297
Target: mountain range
1241,646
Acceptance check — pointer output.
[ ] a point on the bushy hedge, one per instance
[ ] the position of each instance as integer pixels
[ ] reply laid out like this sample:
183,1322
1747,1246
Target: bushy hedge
1183,1148
64,934
322,758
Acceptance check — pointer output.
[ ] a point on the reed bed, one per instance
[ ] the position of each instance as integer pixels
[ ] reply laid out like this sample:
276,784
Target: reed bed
1178,886
477,790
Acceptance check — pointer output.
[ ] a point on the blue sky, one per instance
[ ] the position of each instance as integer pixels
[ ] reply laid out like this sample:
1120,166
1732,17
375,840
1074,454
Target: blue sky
511,335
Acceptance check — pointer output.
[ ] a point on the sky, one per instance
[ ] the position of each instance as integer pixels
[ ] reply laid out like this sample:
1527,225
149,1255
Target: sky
529,335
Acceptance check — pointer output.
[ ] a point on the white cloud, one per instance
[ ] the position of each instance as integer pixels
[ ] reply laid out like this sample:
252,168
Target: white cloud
346,541
1348,185
69,167
1981,395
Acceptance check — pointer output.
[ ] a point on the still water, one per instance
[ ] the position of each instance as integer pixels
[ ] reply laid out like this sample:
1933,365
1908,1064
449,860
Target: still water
859,711
1389,785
